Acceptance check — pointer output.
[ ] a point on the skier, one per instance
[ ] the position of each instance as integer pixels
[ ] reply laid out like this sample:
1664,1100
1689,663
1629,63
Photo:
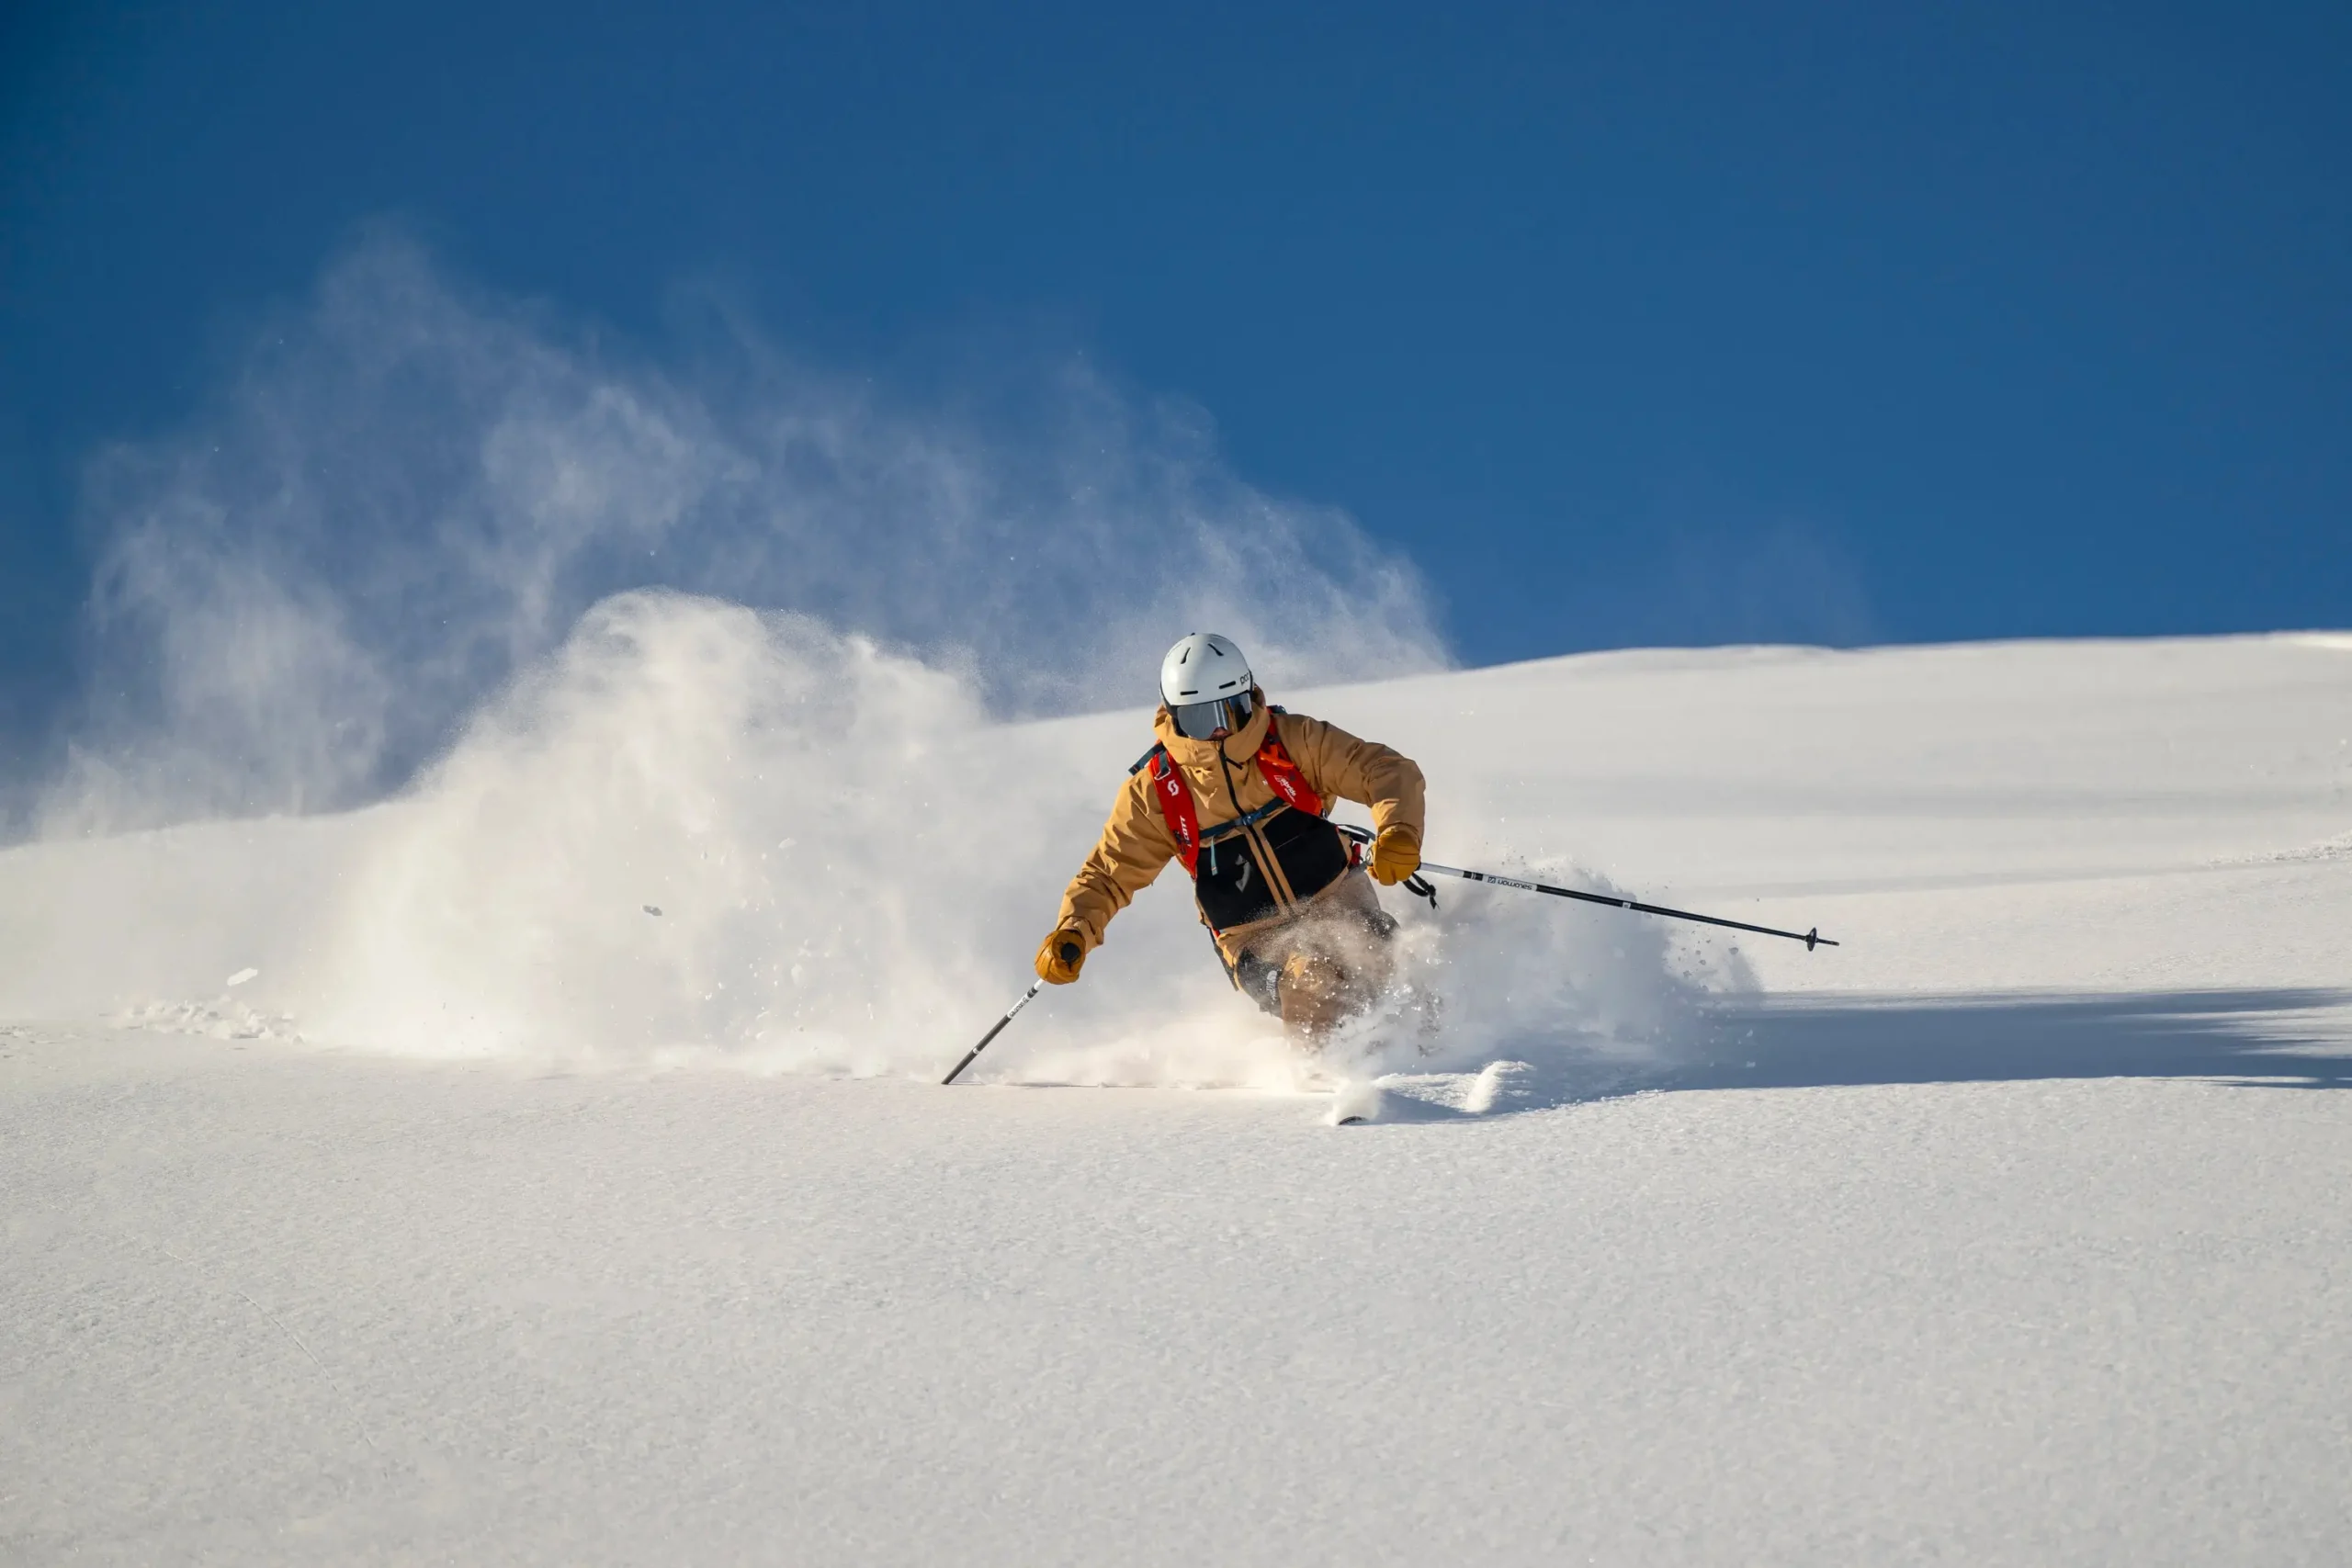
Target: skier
1237,791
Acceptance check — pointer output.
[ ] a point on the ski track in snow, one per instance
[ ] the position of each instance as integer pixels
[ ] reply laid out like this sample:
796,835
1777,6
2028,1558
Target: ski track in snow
2337,848
488,1218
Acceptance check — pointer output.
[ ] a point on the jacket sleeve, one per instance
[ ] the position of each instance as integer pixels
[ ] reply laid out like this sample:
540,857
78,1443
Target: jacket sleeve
1335,763
1134,847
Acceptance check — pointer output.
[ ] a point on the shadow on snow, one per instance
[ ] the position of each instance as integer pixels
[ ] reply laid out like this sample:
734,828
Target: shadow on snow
2266,1037
2255,1039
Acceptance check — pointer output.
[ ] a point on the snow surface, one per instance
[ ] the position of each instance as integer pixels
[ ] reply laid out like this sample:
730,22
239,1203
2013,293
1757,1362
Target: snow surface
395,1186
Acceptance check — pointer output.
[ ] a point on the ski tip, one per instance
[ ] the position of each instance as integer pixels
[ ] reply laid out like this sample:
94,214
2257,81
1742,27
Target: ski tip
1354,1104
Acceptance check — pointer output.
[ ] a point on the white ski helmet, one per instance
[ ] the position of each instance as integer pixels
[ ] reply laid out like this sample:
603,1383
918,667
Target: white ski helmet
1201,668
1206,683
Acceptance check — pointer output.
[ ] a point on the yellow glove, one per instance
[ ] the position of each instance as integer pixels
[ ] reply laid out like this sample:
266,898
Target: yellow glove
1061,956
1396,854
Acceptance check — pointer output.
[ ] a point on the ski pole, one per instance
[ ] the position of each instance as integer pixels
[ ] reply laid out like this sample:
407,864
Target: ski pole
1811,939
1027,998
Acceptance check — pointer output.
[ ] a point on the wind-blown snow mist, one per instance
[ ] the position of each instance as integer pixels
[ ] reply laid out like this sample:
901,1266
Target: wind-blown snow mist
482,695
407,494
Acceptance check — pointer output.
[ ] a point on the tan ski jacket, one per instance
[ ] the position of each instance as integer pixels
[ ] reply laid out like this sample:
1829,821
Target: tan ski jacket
1272,856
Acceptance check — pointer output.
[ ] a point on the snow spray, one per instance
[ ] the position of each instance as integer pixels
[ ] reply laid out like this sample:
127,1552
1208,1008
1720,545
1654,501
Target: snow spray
467,691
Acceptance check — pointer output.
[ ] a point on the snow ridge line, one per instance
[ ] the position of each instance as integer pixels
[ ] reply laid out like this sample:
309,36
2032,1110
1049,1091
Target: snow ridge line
2337,848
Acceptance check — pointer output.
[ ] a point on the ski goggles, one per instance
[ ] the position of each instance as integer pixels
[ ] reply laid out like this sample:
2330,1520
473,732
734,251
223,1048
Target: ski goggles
1201,721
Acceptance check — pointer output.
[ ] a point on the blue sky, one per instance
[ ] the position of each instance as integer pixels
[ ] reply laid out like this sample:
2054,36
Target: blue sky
1628,324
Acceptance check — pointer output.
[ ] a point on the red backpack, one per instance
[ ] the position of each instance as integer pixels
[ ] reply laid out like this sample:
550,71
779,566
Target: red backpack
1183,818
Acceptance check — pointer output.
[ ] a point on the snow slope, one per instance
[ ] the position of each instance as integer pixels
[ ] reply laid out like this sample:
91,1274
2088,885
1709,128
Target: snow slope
496,1219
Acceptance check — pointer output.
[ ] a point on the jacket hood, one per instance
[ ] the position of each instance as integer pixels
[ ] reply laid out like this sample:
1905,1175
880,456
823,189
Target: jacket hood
1239,745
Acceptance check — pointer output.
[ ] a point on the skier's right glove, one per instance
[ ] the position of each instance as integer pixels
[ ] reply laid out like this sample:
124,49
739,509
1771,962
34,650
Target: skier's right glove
1061,957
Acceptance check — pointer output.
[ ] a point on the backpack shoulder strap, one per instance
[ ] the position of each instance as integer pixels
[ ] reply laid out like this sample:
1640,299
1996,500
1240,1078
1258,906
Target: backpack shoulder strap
1283,775
1176,808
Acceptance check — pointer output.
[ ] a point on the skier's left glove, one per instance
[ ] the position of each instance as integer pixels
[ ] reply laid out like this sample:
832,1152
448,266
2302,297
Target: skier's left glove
1396,854
1061,956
